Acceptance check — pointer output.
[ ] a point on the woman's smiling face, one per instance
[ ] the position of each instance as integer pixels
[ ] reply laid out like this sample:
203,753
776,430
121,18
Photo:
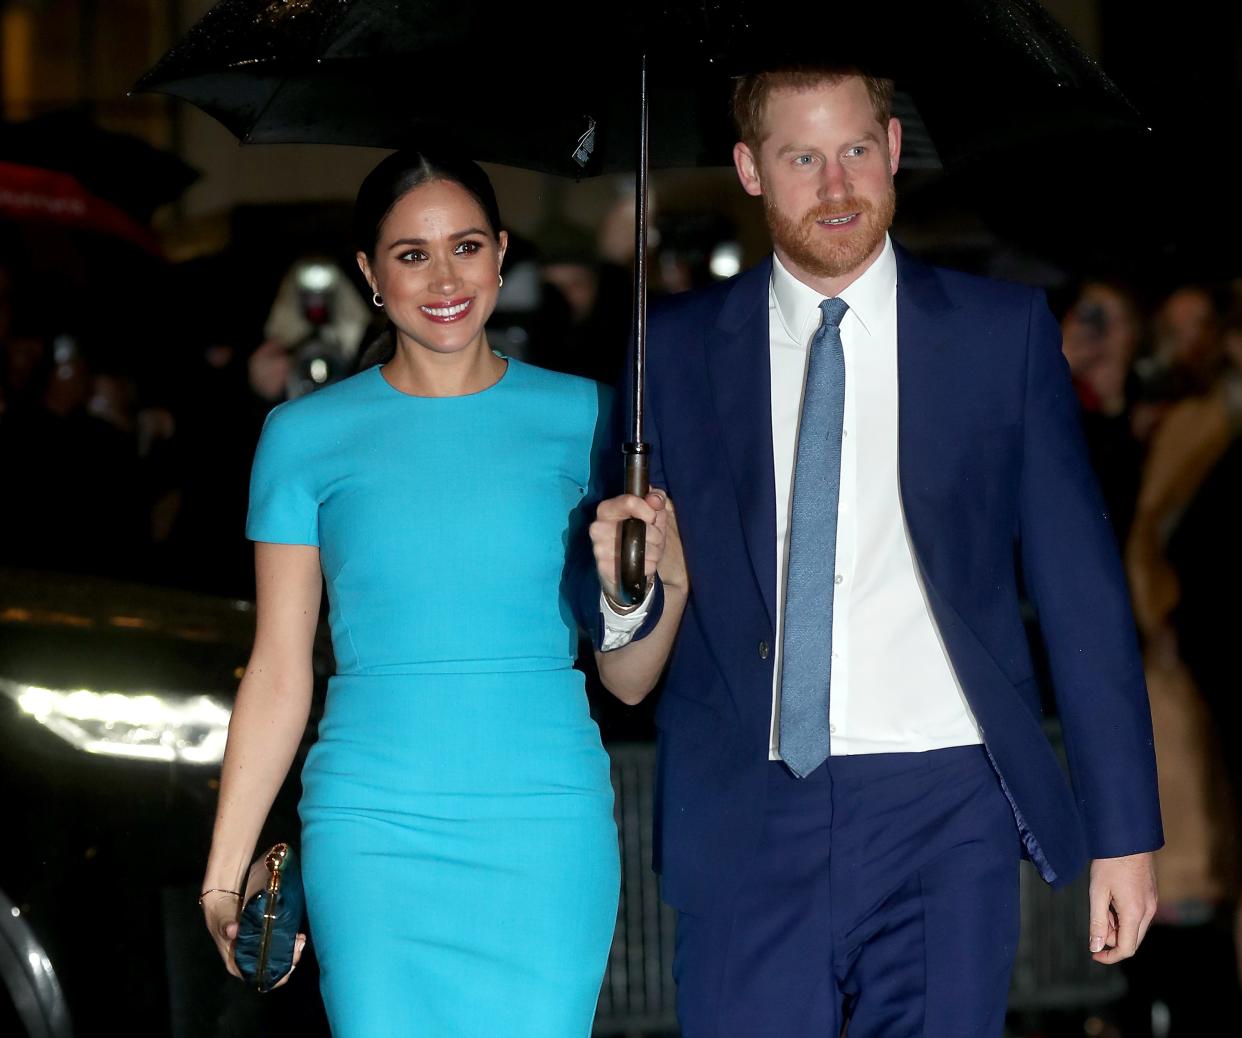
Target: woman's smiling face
437,265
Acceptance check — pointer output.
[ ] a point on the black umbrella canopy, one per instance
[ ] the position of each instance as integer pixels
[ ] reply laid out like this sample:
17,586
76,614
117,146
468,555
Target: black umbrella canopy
487,78
524,85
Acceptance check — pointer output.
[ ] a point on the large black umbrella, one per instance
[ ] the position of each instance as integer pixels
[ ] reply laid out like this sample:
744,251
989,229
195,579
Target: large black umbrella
984,73
556,86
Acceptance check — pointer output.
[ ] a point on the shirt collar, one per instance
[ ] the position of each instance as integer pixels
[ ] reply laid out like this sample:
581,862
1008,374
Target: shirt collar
797,304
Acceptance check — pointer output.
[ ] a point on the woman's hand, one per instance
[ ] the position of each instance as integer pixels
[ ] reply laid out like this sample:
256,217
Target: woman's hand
221,910
630,671
298,945
605,533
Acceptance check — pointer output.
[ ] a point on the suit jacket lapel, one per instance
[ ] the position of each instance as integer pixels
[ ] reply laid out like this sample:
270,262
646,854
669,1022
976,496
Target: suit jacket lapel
740,375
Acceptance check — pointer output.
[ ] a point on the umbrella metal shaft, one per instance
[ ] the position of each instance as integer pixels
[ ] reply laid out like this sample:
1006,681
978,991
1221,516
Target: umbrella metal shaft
640,257
632,580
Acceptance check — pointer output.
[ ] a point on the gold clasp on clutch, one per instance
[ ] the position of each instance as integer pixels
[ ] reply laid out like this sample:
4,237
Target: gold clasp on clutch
275,861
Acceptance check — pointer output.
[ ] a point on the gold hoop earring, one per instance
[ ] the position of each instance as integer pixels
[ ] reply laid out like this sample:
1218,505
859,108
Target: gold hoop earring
502,280
377,299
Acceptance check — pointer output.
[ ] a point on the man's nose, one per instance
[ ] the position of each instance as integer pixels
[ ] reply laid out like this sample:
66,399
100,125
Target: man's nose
833,182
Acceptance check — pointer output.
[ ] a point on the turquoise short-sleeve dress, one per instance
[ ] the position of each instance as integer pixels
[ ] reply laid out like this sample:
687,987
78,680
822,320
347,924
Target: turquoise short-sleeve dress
458,842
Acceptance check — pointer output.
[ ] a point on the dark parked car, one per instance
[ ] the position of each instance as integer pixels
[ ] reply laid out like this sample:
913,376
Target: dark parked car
114,708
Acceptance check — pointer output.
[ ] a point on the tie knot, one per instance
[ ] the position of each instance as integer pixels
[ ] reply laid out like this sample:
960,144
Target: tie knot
833,310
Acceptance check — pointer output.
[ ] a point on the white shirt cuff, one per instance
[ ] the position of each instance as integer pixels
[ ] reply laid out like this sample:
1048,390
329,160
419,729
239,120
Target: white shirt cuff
620,628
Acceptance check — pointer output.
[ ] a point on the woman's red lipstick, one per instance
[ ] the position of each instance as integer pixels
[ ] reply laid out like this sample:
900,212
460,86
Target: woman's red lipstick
448,311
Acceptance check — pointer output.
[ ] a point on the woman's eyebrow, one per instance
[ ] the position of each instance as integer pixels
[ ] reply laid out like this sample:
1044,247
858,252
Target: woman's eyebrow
455,236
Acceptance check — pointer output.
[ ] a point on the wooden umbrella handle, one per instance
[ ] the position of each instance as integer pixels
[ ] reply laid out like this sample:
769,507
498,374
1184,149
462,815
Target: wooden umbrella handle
632,551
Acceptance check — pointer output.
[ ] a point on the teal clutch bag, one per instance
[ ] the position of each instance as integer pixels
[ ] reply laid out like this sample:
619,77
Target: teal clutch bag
270,920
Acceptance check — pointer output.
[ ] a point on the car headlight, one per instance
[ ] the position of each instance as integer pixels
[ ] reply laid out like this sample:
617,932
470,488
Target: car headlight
143,726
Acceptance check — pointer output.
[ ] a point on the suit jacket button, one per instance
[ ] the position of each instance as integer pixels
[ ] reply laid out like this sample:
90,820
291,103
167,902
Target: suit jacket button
763,650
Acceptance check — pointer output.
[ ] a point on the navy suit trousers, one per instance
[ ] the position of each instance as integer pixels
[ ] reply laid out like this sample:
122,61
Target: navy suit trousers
884,893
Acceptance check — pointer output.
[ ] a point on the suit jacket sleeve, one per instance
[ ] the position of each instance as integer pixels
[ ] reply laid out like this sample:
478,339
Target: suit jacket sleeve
1074,578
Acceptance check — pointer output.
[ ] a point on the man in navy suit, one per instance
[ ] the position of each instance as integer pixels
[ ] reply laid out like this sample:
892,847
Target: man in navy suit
869,456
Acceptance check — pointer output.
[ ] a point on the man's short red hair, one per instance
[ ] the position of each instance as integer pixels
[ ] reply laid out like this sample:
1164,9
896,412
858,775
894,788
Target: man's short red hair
750,95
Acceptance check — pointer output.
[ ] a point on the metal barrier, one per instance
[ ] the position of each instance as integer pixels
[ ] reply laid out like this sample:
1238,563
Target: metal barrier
637,996
1052,970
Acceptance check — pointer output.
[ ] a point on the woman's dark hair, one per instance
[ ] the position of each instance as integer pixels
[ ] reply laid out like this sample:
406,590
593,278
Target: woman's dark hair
404,170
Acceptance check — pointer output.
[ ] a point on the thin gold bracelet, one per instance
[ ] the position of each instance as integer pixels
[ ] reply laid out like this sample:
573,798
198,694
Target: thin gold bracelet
218,890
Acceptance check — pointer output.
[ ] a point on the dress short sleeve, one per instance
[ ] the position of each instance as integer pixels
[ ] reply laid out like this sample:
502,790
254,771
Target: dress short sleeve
284,504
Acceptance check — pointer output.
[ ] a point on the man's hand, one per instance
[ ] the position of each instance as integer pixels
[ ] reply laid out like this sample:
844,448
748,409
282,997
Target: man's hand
605,534
1123,903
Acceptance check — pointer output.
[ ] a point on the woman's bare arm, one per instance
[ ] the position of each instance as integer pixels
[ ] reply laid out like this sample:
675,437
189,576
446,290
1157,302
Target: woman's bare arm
269,718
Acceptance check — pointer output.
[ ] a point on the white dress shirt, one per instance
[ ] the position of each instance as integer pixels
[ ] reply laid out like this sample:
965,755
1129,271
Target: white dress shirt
893,686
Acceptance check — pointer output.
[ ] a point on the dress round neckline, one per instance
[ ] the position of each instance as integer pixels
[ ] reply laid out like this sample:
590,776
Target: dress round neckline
504,378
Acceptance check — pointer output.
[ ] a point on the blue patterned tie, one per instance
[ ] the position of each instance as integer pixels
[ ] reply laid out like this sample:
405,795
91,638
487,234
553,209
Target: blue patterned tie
806,651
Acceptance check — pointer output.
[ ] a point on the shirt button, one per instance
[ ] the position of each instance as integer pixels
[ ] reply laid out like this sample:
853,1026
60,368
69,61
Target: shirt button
840,579
763,650
832,729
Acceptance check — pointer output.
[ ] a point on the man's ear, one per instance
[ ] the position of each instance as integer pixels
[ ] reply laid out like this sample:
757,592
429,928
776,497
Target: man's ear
894,144
747,166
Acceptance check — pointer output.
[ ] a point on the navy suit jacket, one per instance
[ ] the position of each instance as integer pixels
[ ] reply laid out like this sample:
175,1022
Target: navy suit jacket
995,482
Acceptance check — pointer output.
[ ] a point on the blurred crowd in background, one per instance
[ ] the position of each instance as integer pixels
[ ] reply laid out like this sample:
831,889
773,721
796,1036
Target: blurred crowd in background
1159,381
130,406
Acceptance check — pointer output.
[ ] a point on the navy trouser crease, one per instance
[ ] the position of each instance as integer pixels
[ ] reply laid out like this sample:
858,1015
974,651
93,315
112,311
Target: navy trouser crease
883,894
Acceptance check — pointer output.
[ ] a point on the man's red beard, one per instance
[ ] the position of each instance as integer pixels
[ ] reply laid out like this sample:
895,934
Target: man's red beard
828,254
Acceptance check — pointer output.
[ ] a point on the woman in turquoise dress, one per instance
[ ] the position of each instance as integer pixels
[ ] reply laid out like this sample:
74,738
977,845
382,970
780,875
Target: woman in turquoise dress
458,844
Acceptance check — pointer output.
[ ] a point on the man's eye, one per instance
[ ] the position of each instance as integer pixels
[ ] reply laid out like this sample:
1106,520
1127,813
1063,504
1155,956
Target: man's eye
857,150
804,160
